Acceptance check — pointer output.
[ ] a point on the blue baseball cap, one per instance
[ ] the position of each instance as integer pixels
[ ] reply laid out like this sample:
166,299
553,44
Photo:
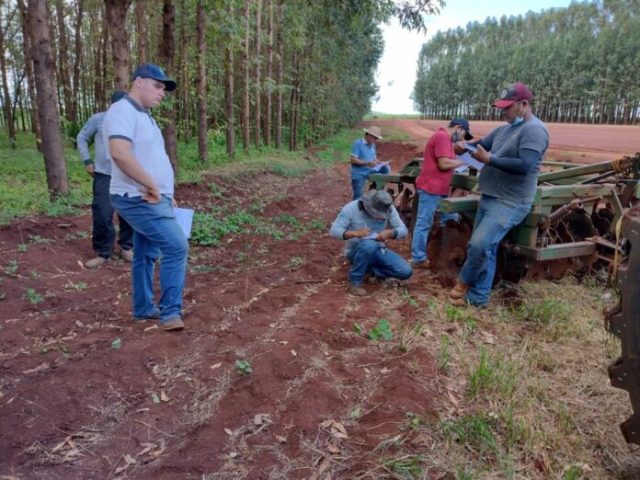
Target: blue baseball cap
148,70
464,123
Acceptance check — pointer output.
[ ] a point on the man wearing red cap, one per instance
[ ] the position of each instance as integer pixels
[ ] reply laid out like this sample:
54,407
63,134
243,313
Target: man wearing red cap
512,155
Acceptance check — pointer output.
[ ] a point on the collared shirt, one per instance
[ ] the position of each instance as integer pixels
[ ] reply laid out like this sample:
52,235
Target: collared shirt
432,179
365,152
92,132
353,217
127,120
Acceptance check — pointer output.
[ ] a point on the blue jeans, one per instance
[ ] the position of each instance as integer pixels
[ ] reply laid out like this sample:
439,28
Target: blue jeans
104,233
427,206
358,183
494,219
372,256
156,233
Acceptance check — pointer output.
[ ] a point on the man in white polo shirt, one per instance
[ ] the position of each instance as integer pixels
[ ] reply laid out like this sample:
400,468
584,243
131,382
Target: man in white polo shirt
142,193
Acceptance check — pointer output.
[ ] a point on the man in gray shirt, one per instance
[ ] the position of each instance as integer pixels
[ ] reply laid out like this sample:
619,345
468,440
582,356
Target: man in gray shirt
103,234
512,155
366,224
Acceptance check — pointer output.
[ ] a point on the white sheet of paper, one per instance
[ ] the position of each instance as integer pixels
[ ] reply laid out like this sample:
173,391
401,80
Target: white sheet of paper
379,166
184,217
469,160
371,236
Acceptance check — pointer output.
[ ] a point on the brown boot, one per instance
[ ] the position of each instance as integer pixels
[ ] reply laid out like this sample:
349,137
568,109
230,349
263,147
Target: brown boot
357,291
458,291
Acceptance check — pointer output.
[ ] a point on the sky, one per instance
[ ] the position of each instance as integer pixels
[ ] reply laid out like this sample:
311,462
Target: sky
397,69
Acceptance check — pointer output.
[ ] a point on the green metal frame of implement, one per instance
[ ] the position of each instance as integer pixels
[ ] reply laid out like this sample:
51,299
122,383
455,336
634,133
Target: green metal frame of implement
607,189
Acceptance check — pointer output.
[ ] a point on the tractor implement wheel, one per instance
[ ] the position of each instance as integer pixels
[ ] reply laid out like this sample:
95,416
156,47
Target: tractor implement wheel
624,322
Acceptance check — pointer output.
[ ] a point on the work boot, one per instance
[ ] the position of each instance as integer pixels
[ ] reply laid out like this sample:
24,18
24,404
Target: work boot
127,255
173,324
95,262
458,302
425,265
357,290
458,291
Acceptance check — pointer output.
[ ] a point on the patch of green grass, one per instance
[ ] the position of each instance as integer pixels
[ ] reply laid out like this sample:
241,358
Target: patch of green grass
22,247
78,287
492,374
208,230
553,316
444,353
474,431
24,183
295,263
38,239
244,367
382,331
11,268
406,466
33,297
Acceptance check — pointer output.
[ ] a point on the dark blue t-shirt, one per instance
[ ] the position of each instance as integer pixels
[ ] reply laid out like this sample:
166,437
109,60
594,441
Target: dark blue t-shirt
508,141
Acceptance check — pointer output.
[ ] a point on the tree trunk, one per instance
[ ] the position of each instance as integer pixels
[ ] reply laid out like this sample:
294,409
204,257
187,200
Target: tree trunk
293,114
28,66
166,54
228,96
8,111
73,107
258,111
63,60
269,82
203,148
141,32
280,80
185,106
38,27
245,67
117,20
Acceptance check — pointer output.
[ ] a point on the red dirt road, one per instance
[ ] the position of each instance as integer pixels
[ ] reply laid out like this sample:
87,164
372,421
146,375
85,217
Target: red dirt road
576,143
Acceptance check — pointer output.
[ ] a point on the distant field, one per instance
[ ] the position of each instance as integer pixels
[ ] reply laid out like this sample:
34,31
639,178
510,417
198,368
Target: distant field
569,142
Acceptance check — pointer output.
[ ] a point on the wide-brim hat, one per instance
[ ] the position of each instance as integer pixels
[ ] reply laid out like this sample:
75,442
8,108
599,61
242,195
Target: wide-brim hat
377,203
373,131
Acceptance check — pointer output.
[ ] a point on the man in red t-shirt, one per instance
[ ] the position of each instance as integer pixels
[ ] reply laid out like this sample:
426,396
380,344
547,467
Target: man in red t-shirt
433,183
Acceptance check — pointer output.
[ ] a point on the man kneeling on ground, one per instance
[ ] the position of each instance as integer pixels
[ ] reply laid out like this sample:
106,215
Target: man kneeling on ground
366,224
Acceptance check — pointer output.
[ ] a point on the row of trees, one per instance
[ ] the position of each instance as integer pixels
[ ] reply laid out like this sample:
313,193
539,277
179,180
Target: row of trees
582,63
272,72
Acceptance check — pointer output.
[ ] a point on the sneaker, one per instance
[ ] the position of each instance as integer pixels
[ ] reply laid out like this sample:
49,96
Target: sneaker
357,290
459,290
127,255
172,324
95,262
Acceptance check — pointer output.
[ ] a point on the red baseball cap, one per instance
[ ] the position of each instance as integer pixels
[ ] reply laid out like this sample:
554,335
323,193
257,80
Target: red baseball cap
512,94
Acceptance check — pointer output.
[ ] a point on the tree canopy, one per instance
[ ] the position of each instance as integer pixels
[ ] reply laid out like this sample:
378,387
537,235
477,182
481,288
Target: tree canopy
581,62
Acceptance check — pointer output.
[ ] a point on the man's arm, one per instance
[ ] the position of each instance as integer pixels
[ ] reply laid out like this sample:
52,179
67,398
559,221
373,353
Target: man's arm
398,228
356,161
84,139
445,163
122,155
339,227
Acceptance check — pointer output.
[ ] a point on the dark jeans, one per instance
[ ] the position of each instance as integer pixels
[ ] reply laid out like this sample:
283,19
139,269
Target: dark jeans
104,233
